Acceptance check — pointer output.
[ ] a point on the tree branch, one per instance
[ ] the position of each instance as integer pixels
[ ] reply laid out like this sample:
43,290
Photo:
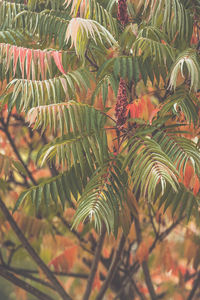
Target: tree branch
195,287
24,272
113,268
24,285
95,264
28,276
145,267
32,253
17,152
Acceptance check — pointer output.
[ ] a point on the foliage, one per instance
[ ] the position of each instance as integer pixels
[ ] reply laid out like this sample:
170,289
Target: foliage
99,114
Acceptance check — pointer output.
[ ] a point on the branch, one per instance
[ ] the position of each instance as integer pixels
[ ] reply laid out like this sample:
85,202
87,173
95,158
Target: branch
164,234
17,152
95,264
113,268
93,63
195,287
24,285
152,220
140,294
68,226
21,271
32,253
28,276
145,267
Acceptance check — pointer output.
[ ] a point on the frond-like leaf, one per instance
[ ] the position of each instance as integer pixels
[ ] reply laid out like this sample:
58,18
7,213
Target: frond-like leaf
10,36
149,165
61,187
27,94
151,42
103,17
80,30
47,26
184,101
32,63
183,202
8,165
70,116
127,67
180,150
102,198
8,12
103,87
85,137
188,65
80,7
176,18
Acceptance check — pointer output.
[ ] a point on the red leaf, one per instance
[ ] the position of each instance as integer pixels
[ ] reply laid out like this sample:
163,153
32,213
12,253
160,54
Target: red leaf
196,186
65,261
57,58
8,55
97,282
28,62
15,58
153,114
22,56
189,172
41,57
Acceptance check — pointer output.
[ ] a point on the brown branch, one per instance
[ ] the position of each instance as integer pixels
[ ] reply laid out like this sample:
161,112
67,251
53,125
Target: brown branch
95,262
17,152
152,220
21,271
140,294
33,253
69,227
145,267
195,287
164,234
27,275
93,63
113,268
24,285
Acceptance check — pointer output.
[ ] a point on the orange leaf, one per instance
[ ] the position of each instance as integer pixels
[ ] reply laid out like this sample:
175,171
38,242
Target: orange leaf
142,253
65,261
28,63
97,282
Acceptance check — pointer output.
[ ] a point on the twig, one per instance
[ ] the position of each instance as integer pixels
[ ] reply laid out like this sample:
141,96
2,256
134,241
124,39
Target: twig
24,285
113,268
95,264
32,253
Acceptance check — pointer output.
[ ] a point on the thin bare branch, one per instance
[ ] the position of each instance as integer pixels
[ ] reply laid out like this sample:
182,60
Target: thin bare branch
95,263
32,252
